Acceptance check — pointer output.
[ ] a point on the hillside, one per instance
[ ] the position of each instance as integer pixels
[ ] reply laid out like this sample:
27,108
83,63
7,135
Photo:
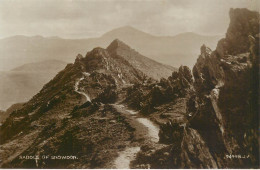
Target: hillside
21,83
80,89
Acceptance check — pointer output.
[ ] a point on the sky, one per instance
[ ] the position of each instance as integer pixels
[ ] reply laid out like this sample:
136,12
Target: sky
92,18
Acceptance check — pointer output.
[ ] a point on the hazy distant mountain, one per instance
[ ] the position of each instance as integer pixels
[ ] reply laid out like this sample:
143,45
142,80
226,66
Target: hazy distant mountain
43,66
127,32
171,50
19,50
182,49
21,83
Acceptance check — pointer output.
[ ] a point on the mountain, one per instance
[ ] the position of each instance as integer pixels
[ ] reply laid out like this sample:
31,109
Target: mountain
177,50
104,111
181,49
127,32
21,83
80,89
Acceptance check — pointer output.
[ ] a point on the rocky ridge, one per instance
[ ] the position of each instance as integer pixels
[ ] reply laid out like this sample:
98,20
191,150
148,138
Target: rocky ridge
53,119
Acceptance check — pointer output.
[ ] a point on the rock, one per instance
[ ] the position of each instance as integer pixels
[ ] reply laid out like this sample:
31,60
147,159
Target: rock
185,76
243,23
170,133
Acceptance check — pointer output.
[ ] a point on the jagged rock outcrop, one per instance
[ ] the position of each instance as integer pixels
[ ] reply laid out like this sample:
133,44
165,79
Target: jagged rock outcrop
221,130
243,23
226,85
146,96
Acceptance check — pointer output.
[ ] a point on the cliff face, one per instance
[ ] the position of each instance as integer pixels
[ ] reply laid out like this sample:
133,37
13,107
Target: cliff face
220,124
226,87
226,81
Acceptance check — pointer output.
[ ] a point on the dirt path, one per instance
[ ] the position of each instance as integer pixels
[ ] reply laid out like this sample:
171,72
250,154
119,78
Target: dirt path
125,157
77,86
153,130
145,129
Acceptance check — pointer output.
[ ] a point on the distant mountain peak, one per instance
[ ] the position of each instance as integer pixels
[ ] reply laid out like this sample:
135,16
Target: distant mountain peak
126,30
117,44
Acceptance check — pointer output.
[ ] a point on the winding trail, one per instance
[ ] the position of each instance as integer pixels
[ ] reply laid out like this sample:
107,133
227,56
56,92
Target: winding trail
145,128
77,86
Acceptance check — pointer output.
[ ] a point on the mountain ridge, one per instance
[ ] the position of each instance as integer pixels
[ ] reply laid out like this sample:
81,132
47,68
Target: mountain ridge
113,30
39,65
167,50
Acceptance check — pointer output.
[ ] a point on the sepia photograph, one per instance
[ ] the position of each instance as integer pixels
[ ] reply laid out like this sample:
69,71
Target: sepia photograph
129,84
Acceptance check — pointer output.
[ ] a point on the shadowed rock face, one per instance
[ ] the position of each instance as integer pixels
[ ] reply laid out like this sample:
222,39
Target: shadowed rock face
226,86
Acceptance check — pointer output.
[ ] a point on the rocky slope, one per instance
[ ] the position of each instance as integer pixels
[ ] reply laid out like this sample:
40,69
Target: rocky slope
149,67
77,97
105,109
21,83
